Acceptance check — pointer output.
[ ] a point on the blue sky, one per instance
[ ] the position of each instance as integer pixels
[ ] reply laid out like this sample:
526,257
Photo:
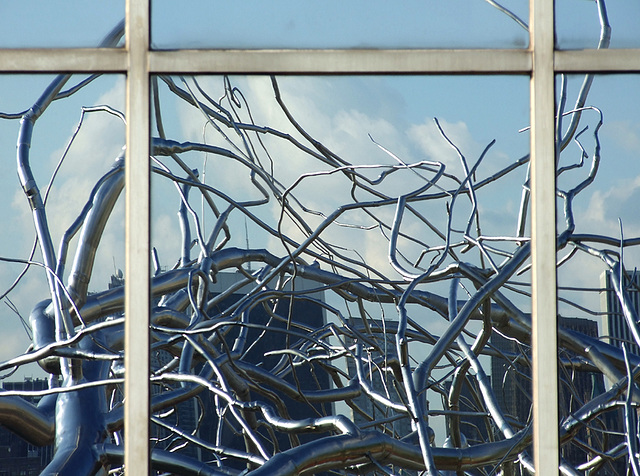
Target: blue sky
336,24
98,144
63,24
577,26
329,24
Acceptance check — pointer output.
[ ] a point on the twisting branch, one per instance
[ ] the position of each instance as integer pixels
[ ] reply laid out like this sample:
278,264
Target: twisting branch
337,342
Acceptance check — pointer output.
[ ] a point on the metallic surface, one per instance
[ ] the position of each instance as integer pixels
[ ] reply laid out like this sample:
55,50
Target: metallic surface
543,241
138,252
319,61
138,62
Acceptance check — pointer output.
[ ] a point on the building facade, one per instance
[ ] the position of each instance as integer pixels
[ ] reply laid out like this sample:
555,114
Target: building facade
270,328
17,457
615,329
511,381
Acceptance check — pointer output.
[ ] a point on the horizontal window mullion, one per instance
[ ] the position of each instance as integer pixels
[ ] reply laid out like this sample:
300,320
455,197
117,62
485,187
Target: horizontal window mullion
106,60
115,60
350,61
597,61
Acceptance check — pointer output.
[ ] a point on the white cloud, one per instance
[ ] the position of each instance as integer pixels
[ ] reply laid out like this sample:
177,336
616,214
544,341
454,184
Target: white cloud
339,113
92,154
97,145
624,133
166,237
599,214
431,142
605,207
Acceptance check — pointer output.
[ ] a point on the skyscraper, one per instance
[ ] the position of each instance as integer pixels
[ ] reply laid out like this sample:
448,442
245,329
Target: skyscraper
17,457
511,381
615,331
394,422
274,329
615,328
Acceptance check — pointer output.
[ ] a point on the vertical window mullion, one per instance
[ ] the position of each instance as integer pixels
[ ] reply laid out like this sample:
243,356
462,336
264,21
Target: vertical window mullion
543,239
137,286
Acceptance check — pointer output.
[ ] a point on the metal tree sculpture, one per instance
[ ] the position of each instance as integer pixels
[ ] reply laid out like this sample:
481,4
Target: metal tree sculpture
265,383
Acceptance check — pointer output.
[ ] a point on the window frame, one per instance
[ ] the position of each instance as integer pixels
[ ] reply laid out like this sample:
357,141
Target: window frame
540,61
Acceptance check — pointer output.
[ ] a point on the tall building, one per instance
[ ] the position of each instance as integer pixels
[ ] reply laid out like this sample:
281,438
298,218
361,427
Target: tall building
18,457
615,328
272,327
575,388
185,415
474,427
372,414
616,332
511,382
267,325
381,382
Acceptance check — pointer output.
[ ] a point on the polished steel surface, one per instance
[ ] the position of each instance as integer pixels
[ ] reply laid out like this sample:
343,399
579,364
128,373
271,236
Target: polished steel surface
85,338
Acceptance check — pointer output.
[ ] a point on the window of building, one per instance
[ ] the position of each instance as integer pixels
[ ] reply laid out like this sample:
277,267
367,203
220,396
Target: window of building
166,48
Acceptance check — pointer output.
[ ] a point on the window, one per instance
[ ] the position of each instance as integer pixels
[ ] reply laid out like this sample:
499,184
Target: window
541,61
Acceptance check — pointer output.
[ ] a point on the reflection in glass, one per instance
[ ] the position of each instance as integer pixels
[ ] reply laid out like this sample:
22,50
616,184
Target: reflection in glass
318,236
600,24
62,245
337,24
598,173
68,24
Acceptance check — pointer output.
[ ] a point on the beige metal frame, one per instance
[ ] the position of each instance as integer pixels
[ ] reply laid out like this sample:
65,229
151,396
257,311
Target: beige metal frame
543,240
137,243
138,62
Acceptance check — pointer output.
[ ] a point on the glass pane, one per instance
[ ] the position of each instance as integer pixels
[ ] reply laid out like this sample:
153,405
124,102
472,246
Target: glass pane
339,24
68,24
598,175
581,24
286,261
61,213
